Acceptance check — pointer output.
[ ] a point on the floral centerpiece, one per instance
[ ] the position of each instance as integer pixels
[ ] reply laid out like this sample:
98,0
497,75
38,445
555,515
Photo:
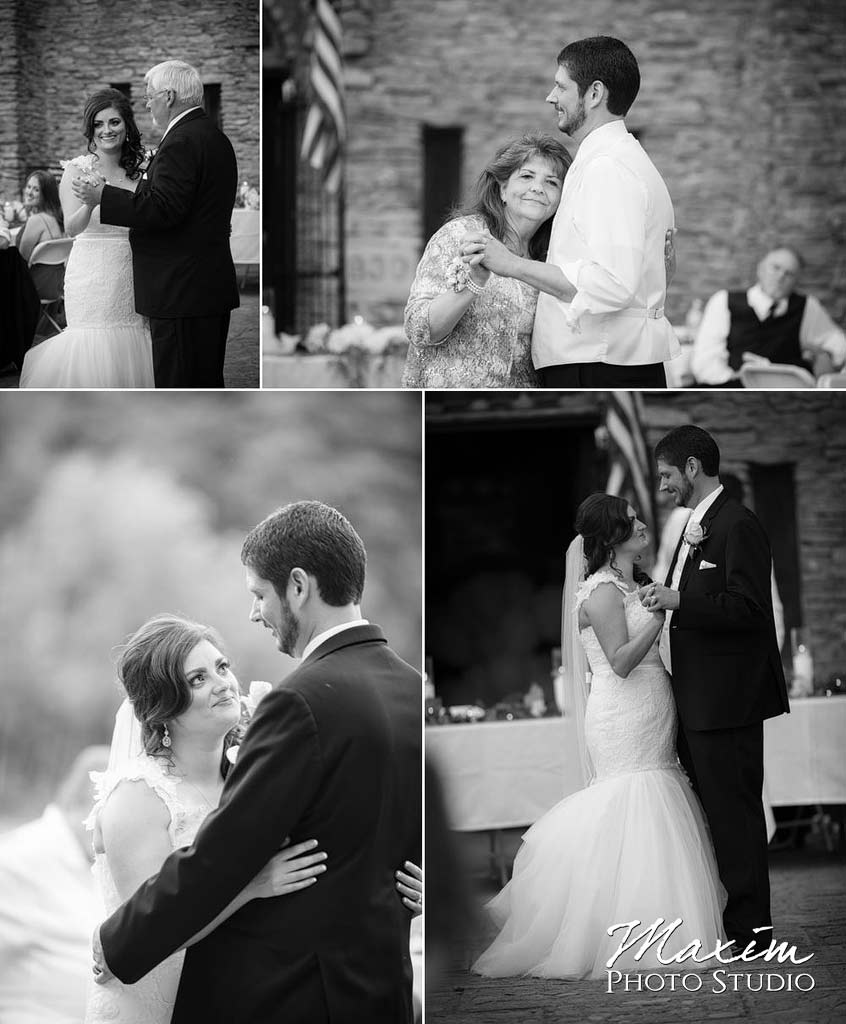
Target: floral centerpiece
13,212
247,197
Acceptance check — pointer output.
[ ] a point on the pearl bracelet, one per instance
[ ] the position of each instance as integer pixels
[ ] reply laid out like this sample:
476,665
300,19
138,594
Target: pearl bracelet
476,289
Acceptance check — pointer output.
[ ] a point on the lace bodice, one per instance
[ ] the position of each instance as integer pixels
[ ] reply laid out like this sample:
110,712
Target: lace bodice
491,344
630,724
637,618
150,1000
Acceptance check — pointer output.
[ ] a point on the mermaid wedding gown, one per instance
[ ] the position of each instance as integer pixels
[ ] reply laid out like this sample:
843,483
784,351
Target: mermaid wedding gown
150,1000
631,846
106,343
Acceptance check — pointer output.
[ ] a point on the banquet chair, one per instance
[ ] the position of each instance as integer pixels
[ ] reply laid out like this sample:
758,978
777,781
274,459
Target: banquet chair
832,380
51,253
776,375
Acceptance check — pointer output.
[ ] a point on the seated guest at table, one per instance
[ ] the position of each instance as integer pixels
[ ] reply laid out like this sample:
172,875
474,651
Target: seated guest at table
770,320
44,221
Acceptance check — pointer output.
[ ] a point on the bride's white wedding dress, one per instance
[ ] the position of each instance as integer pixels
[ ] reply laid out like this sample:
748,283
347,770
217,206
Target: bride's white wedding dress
106,343
150,1000
631,846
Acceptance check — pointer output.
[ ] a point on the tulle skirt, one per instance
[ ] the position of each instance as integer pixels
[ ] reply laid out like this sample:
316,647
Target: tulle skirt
92,357
633,847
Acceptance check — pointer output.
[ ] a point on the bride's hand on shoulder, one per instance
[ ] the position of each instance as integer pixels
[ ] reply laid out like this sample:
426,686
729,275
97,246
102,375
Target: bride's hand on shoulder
410,887
296,867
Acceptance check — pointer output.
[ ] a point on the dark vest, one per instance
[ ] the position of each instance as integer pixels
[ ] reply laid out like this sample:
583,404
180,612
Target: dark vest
776,339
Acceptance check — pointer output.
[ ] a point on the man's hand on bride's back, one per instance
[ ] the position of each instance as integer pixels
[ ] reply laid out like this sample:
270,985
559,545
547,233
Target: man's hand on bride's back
410,887
296,867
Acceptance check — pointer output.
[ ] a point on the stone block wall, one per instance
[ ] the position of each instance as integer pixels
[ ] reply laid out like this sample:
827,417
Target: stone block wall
54,53
740,108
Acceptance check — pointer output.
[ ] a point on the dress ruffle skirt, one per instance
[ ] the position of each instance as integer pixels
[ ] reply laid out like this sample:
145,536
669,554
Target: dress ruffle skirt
106,344
633,847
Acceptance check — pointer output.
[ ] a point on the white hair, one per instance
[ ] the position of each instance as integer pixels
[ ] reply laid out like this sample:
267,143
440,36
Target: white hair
179,77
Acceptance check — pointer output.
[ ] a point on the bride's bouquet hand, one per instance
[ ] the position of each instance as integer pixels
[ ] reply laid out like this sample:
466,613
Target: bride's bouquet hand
295,867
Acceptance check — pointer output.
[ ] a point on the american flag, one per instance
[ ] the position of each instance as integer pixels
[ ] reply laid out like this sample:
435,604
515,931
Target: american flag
631,474
325,127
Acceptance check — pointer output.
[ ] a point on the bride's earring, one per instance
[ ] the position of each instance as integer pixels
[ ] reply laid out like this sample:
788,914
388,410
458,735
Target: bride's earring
165,736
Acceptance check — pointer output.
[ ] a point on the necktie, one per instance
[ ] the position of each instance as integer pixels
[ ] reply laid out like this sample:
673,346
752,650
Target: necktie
771,312
664,640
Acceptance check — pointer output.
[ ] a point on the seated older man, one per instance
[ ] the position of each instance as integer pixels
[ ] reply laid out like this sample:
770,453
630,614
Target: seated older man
769,320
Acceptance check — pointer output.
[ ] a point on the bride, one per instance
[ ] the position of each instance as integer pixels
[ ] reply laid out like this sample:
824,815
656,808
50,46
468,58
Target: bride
171,750
106,343
633,845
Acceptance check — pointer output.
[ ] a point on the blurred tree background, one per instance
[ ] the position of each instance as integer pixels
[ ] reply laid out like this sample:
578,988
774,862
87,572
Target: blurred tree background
116,507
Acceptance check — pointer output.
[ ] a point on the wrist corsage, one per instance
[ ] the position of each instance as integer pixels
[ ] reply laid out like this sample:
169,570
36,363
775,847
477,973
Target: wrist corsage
458,277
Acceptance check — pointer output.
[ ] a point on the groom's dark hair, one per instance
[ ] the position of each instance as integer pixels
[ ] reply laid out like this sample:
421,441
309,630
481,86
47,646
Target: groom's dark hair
316,538
607,60
677,447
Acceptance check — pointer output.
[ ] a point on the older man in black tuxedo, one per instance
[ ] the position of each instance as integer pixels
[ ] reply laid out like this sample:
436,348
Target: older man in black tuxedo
719,643
333,753
180,220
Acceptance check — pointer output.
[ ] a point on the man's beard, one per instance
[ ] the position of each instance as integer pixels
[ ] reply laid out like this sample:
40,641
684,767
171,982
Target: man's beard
685,493
576,121
289,631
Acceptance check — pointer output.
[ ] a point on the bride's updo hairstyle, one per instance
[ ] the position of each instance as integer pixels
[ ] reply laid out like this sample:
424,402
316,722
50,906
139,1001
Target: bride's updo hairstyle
486,200
150,667
132,152
603,521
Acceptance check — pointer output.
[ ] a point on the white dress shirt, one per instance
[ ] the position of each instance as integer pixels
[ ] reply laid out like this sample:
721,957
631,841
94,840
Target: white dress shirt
49,907
316,641
710,360
695,517
608,240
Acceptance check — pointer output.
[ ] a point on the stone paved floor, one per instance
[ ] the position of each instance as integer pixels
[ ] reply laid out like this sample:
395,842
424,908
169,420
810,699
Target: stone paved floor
809,906
241,368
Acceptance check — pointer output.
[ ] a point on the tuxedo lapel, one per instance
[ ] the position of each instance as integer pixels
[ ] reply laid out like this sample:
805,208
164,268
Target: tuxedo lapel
695,554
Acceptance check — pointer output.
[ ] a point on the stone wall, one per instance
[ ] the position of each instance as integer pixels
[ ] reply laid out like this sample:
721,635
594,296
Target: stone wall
740,107
53,53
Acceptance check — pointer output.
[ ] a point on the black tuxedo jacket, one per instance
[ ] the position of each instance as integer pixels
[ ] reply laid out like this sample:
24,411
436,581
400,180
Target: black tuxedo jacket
180,221
727,669
333,754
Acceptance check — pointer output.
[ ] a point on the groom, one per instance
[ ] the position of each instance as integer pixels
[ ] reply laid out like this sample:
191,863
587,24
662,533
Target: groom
600,319
179,219
719,644
332,753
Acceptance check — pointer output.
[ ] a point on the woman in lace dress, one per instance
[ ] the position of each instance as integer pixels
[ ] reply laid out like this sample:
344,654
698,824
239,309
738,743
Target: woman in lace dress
633,845
468,328
166,773
106,343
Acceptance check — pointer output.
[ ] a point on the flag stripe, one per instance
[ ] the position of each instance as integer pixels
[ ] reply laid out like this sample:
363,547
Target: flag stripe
325,126
631,467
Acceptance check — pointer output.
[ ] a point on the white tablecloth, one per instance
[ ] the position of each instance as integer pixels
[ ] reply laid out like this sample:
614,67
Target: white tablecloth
507,774
245,240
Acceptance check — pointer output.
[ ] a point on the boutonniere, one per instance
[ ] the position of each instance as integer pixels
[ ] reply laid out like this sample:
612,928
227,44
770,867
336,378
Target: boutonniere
695,535
147,160
249,702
